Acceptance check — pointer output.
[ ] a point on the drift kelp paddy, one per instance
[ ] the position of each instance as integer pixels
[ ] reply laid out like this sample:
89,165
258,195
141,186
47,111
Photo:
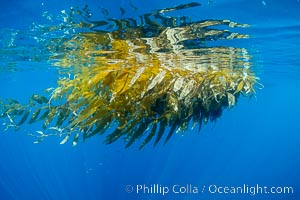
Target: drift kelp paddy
140,79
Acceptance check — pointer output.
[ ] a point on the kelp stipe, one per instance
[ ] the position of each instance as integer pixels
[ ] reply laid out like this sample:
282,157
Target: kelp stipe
143,80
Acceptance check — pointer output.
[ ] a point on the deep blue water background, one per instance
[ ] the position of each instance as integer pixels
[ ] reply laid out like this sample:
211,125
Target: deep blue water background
256,142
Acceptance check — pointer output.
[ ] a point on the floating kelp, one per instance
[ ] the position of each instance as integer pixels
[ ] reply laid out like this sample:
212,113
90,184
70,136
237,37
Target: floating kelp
144,80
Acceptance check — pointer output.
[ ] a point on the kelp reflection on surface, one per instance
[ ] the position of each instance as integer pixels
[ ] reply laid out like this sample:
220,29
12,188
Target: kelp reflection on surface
145,79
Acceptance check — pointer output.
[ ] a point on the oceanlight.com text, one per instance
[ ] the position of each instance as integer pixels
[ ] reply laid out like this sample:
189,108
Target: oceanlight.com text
251,190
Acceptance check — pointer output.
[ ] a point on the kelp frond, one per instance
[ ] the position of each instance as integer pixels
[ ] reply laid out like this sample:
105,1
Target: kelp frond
145,82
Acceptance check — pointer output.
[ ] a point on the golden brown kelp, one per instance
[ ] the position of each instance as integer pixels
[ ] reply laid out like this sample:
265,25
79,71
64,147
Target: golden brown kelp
145,82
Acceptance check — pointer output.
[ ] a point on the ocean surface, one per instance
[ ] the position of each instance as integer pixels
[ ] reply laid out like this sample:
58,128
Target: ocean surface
255,145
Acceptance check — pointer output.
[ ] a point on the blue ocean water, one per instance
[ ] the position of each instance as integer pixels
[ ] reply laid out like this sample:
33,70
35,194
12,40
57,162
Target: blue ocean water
254,143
